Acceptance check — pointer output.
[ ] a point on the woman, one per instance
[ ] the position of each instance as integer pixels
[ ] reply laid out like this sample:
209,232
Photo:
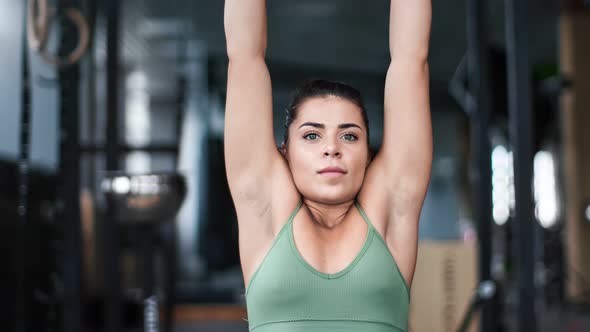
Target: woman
328,235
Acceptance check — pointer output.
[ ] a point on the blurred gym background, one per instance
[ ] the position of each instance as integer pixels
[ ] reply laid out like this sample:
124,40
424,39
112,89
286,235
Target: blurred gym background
114,209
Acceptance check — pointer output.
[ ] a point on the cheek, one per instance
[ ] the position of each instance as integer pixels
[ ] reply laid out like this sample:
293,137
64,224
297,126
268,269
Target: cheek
300,160
359,158
358,165
359,171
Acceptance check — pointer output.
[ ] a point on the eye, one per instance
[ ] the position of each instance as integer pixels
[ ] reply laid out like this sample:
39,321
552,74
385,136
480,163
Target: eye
350,137
311,136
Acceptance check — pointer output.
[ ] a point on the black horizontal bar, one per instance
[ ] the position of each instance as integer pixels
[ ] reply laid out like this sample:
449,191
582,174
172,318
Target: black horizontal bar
102,148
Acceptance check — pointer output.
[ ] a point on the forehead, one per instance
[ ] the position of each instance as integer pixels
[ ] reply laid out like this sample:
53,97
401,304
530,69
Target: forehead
329,110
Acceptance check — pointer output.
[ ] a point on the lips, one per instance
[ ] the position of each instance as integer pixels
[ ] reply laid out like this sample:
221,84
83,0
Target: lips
332,170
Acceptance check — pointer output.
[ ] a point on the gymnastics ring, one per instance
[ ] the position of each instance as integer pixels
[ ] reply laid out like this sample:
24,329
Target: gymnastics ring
84,34
37,25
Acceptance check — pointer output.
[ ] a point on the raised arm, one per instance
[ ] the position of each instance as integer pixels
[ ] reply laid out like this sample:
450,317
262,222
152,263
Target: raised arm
406,152
397,179
249,142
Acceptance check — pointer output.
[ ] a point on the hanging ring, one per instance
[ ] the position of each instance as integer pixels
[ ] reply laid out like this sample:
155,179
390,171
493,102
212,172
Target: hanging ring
83,38
37,24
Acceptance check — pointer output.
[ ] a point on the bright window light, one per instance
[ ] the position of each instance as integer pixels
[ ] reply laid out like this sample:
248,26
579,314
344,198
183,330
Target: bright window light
546,202
502,184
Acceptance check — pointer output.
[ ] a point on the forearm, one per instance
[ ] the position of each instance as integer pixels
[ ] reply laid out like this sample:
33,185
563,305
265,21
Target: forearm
245,28
409,29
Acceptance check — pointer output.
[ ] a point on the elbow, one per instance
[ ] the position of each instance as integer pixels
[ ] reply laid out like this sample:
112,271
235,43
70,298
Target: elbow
414,66
418,56
240,49
241,54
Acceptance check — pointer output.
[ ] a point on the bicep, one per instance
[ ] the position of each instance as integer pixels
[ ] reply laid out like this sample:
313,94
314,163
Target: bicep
406,150
250,149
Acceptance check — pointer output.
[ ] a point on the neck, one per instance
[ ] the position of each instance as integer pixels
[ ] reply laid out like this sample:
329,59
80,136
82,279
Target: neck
328,216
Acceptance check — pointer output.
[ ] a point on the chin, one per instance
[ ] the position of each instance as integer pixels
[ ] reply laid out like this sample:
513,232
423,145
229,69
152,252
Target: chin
331,197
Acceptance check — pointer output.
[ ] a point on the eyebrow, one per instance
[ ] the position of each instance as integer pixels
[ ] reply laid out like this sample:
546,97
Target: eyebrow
322,126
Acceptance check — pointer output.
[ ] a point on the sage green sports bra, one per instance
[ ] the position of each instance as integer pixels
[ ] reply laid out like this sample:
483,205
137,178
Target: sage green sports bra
286,294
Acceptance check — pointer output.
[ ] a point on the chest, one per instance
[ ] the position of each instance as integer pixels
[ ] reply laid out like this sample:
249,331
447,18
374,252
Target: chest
289,289
329,251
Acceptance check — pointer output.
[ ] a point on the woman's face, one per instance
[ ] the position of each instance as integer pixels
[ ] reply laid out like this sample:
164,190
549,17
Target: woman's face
328,150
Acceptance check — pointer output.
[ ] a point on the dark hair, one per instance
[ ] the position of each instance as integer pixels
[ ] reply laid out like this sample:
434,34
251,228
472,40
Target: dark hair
323,88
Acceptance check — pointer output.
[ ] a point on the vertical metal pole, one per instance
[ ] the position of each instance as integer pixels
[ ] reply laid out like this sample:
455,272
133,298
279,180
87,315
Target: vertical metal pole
479,107
69,211
91,8
168,239
151,310
521,135
23,186
110,235
112,134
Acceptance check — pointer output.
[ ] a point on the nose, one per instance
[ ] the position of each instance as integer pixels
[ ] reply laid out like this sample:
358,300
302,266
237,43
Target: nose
332,150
